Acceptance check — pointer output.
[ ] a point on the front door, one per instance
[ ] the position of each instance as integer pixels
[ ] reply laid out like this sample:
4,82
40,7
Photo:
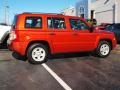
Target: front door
82,38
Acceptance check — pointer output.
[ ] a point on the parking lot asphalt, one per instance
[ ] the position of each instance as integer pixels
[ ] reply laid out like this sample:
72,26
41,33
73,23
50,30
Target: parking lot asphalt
80,71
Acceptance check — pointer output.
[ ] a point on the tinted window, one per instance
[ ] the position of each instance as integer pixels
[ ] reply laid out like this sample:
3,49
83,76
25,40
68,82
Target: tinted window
113,27
109,27
77,24
117,26
33,22
56,23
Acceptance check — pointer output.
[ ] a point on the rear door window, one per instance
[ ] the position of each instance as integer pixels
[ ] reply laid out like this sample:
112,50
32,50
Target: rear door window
56,23
33,22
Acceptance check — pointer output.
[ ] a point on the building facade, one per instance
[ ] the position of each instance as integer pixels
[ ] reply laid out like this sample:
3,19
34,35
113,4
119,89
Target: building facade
83,8
69,11
104,11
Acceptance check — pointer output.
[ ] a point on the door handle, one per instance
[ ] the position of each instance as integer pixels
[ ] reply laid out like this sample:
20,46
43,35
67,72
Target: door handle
52,34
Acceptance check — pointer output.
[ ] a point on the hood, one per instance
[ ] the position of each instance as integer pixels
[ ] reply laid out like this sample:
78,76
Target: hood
103,31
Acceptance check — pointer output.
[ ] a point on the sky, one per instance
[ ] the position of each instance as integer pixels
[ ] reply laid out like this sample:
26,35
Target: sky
47,6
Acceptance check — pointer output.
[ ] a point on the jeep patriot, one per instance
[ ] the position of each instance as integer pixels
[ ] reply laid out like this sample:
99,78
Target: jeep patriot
36,35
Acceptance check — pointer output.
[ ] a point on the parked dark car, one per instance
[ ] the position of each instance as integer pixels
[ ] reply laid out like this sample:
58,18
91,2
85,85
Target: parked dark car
116,29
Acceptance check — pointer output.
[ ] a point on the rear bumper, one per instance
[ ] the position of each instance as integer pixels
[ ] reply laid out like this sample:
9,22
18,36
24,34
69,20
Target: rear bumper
18,47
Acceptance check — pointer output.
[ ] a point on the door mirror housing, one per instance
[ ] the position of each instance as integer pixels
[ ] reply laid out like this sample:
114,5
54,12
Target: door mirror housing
92,29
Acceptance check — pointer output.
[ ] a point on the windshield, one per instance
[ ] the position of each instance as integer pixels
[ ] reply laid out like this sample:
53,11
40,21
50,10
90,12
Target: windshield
113,27
109,27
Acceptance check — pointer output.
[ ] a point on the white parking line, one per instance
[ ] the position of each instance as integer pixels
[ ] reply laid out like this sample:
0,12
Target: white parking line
59,80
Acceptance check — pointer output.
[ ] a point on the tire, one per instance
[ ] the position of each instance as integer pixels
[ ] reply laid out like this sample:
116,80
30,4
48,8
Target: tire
103,49
18,56
37,53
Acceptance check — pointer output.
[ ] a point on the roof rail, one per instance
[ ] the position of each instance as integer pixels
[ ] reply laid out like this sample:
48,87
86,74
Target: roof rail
42,13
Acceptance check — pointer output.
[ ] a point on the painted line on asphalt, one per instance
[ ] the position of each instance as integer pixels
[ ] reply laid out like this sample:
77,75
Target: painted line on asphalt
59,80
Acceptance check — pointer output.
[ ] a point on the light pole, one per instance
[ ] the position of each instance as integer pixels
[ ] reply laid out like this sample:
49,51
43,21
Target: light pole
6,12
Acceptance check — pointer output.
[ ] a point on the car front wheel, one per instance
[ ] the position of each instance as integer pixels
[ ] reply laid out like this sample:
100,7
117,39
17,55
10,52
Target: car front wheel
37,54
103,49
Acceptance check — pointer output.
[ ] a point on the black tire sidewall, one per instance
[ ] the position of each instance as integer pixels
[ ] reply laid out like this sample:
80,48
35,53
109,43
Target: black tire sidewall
29,53
98,53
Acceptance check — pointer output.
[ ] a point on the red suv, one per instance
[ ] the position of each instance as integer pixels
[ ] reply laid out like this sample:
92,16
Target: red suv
36,35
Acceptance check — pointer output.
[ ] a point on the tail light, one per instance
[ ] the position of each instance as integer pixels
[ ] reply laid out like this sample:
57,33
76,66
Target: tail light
12,35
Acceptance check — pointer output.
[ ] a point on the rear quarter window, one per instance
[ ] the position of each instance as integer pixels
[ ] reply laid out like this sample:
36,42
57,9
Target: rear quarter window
33,22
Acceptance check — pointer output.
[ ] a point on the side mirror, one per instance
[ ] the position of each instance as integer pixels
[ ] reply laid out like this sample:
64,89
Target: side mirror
92,29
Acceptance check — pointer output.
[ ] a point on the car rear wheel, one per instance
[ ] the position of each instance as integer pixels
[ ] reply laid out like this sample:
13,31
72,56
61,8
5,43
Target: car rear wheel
103,49
37,54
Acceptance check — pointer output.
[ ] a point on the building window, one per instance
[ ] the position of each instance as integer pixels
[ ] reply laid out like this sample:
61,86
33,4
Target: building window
82,11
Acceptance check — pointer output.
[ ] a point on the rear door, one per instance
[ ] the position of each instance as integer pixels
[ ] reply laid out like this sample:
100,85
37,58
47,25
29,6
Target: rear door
59,34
